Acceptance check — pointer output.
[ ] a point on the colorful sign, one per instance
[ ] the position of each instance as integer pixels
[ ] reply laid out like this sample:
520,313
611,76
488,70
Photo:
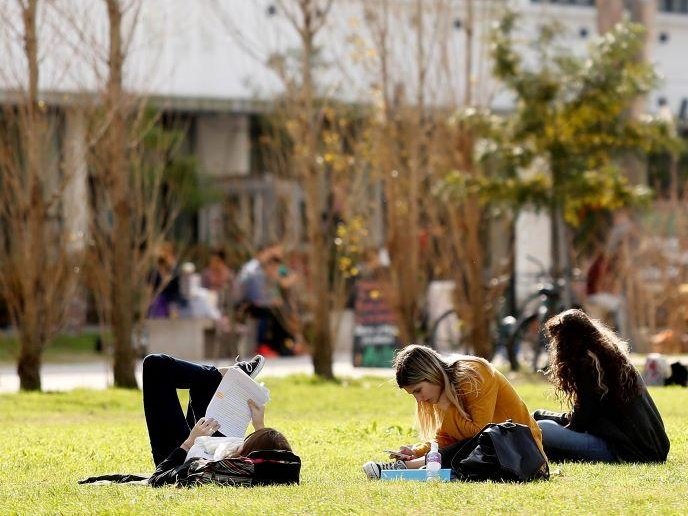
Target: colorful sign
376,335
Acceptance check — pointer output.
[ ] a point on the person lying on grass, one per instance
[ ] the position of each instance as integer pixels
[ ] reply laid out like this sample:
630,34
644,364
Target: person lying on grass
612,416
172,440
455,400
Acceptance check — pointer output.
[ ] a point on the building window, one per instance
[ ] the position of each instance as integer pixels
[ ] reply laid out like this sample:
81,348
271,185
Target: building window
674,6
667,6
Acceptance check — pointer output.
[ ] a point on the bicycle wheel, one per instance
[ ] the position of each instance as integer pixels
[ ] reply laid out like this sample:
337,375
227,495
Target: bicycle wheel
526,345
446,334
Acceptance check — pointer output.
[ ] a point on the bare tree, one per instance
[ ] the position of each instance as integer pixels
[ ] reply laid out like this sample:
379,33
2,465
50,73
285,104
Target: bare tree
306,116
400,133
37,265
119,186
416,145
300,111
138,182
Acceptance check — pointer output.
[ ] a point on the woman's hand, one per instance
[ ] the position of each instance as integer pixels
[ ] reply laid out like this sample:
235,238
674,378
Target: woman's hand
204,427
257,415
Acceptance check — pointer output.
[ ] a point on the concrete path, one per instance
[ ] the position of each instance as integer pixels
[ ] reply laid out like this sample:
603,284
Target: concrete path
98,375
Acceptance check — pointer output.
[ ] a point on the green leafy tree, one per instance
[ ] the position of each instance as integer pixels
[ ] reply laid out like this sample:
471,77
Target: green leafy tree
559,150
572,125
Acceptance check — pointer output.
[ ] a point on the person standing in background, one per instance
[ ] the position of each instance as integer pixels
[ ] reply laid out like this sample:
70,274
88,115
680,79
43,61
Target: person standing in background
606,276
258,295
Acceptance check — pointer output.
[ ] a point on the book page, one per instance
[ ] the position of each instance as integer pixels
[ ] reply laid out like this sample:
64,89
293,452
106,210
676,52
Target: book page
229,405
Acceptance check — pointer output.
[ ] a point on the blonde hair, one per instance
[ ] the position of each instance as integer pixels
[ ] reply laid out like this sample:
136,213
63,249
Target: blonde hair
415,364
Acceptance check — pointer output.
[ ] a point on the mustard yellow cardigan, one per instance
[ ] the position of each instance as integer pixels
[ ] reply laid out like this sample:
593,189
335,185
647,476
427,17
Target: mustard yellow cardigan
492,400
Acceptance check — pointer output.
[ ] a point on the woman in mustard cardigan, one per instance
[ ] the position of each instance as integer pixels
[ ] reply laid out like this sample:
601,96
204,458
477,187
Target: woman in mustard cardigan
455,400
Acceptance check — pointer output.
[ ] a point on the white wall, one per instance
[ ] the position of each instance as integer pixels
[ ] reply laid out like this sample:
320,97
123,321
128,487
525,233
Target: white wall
533,238
670,60
218,48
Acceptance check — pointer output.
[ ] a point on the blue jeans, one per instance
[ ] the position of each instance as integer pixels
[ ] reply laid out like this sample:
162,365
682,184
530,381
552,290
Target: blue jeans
168,426
562,443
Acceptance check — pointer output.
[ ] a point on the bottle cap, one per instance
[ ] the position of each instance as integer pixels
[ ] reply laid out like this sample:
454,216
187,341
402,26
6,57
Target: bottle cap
434,447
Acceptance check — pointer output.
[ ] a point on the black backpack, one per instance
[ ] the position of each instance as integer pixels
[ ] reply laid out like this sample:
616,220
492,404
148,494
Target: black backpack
260,467
679,375
502,452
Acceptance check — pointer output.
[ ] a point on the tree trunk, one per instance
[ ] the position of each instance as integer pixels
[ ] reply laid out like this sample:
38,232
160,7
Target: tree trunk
402,246
322,338
29,367
122,265
31,325
609,13
315,205
322,341
29,363
480,320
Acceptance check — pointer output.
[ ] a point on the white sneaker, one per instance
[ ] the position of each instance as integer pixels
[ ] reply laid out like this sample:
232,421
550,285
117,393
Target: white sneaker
374,469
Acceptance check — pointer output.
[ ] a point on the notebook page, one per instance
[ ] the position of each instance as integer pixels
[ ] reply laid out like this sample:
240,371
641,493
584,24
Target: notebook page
229,405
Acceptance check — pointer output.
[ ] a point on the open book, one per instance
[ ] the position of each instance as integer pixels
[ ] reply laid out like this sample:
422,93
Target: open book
229,405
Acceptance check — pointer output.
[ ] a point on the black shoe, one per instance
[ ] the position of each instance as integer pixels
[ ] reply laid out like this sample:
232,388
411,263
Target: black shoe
561,418
251,367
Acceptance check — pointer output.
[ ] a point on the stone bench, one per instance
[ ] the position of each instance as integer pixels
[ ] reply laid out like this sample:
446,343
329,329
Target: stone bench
183,338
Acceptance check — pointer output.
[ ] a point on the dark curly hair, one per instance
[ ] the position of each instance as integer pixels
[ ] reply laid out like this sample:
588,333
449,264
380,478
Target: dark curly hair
587,356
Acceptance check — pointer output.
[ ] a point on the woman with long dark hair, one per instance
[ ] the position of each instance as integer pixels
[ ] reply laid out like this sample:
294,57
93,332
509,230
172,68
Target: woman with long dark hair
612,416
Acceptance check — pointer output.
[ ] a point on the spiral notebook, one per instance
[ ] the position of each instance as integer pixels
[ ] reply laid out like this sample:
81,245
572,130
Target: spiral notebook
229,405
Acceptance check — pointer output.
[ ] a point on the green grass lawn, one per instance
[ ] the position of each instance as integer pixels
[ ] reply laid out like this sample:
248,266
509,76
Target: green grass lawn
64,349
51,440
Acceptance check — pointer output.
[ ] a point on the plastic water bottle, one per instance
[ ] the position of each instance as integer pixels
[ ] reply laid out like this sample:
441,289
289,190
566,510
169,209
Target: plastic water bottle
433,463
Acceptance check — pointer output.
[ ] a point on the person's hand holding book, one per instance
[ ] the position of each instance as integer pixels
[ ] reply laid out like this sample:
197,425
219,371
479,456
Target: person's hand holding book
203,427
257,415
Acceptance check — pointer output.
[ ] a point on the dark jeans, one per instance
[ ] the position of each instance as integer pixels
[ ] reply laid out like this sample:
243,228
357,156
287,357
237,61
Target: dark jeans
168,427
561,444
271,330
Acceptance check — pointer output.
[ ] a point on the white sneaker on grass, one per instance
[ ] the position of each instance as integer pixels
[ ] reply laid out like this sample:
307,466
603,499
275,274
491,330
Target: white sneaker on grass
374,469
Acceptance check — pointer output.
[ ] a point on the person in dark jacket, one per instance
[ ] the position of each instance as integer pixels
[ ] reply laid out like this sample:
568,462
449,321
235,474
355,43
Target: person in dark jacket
264,457
172,433
612,417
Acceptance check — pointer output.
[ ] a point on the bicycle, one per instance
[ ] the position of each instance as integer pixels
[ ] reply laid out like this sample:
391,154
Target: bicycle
449,334
446,333
526,342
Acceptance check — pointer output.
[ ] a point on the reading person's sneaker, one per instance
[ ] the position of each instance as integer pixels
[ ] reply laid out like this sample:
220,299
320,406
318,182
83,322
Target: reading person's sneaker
374,469
251,367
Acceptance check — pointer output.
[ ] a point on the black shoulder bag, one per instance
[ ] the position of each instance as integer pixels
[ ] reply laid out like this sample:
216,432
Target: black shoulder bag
502,452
